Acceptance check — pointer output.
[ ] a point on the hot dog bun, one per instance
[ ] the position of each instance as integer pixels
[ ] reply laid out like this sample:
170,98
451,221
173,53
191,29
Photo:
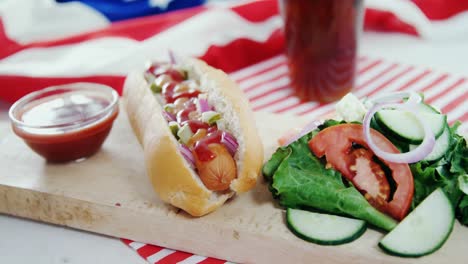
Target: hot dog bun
170,174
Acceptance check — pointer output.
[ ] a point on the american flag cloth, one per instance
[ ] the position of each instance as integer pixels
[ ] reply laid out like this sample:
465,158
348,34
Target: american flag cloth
46,43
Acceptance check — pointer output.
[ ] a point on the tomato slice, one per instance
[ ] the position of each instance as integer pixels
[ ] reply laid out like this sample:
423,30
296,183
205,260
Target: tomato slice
336,144
370,178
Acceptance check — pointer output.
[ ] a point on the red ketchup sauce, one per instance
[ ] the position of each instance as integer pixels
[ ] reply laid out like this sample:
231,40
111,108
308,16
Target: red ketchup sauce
201,146
65,123
195,125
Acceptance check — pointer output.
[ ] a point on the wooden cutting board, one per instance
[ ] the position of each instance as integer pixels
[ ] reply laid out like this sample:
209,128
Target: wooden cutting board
110,194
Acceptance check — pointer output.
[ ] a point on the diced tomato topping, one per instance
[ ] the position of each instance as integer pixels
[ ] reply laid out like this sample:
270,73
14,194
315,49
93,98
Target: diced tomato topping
168,91
212,129
189,94
160,69
183,115
195,125
175,75
201,147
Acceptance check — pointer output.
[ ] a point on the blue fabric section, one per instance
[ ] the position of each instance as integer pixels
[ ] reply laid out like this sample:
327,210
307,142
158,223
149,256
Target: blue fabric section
116,10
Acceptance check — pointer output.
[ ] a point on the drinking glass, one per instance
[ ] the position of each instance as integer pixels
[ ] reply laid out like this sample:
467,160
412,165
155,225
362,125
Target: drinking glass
321,46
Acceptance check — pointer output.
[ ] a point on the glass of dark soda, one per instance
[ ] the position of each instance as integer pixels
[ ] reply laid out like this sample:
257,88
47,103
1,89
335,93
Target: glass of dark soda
321,46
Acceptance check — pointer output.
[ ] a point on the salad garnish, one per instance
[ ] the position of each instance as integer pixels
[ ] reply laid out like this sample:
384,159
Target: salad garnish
350,166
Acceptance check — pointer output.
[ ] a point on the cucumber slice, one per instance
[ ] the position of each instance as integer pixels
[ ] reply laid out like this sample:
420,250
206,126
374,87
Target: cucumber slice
423,107
174,127
424,230
210,117
324,229
185,133
440,148
405,126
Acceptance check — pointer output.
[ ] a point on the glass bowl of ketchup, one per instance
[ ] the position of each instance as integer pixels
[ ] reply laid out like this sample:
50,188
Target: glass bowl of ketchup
66,122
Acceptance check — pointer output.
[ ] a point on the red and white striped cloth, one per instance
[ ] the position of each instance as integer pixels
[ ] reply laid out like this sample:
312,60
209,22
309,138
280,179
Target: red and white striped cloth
267,86
44,43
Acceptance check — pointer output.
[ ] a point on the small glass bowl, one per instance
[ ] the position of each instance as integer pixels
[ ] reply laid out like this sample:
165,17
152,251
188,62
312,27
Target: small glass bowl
66,122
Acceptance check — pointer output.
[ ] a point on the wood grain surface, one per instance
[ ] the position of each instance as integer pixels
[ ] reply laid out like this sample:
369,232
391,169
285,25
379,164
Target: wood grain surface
110,194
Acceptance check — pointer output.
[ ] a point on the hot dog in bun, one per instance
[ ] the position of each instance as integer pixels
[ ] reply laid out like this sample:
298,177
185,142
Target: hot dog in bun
197,131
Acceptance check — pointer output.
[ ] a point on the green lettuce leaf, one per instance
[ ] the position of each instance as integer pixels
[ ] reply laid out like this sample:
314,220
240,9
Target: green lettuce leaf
462,210
444,173
463,183
298,179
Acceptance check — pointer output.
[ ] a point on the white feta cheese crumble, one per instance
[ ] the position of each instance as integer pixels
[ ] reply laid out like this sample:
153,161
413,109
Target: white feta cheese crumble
350,109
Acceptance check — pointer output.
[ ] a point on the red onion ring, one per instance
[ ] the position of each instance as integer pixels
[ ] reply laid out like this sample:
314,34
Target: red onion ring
305,130
172,57
169,116
412,156
413,97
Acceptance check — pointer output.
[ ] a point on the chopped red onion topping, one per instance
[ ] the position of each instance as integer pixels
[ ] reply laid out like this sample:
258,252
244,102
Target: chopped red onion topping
169,116
187,154
230,142
203,105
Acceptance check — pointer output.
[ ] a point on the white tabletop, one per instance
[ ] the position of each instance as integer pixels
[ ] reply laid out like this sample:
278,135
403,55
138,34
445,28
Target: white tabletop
24,241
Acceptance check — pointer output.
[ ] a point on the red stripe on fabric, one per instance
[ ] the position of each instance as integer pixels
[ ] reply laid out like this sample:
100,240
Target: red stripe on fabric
15,87
126,241
289,107
274,102
446,90
463,118
137,29
435,82
311,108
328,113
391,80
414,80
243,52
262,71
454,103
175,257
260,84
378,76
212,261
148,250
439,10
259,96
284,62
370,66
8,46
386,21
257,11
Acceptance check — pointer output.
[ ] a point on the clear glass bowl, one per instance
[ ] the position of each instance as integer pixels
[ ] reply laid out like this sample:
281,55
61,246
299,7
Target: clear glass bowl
65,122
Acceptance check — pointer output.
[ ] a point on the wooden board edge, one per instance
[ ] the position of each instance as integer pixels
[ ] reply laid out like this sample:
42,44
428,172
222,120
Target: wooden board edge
127,223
